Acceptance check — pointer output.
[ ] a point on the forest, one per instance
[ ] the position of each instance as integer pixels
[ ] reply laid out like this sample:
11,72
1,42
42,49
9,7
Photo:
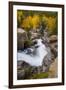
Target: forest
31,20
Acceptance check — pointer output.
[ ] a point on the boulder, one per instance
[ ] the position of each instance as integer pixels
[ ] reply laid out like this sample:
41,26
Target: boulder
47,61
21,37
54,49
54,45
21,74
23,70
53,38
22,64
53,70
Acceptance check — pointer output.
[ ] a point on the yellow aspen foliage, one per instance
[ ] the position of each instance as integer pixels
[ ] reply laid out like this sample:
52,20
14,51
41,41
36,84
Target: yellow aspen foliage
26,23
35,21
50,22
45,20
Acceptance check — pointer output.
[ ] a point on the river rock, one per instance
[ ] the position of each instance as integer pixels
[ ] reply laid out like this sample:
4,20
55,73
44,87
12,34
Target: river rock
53,38
21,74
47,60
21,37
53,70
23,70
54,49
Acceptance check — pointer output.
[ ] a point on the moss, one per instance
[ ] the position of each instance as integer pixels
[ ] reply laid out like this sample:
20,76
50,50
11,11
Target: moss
40,76
27,43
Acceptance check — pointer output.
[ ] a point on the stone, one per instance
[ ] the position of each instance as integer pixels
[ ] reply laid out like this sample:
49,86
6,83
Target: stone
53,70
21,74
54,49
53,38
29,51
24,71
21,38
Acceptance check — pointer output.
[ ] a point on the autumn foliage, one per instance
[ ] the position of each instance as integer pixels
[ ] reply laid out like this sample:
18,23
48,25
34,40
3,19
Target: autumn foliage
31,20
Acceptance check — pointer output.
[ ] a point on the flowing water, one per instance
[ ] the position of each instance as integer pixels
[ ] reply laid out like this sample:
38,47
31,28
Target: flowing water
37,59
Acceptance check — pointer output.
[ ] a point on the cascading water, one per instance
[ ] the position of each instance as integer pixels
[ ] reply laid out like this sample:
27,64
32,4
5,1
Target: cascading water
37,59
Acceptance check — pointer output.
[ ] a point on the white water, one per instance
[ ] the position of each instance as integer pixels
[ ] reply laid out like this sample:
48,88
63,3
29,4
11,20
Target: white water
37,59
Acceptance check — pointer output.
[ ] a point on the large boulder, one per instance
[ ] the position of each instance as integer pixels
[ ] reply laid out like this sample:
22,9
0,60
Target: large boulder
21,38
54,45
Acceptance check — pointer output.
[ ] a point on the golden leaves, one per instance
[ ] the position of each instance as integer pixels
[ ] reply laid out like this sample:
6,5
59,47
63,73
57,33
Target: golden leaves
26,23
35,21
29,22
50,22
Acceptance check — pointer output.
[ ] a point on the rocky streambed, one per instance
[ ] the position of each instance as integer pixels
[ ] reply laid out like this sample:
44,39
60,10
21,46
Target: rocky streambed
35,63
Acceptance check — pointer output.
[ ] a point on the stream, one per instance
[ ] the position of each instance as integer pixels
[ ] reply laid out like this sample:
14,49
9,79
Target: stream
34,59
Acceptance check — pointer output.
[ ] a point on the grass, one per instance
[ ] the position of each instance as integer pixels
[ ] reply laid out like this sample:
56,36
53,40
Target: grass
40,75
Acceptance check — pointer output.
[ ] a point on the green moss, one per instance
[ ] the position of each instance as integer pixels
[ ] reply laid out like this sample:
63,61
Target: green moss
40,76
28,43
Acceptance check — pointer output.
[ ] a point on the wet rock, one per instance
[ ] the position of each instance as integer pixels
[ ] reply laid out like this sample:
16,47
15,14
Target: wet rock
29,51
